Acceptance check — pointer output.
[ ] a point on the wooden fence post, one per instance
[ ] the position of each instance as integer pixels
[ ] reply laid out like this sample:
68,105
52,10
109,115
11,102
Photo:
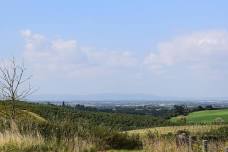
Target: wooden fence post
190,143
226,149
205,146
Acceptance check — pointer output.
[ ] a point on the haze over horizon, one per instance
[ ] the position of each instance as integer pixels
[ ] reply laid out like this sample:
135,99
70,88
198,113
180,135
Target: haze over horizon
126,98
165,49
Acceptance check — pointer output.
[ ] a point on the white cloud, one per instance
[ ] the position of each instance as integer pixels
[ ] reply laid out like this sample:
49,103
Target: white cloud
200,49
62,45
111,58
69,58
183,63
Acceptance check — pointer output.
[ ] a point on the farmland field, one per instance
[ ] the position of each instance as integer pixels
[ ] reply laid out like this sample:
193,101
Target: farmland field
206,116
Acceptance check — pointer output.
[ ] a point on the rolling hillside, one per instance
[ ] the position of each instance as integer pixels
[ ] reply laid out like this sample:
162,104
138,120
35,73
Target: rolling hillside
58,114
22,115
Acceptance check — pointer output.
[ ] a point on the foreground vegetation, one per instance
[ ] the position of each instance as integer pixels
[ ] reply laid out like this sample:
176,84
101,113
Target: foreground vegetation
65,128
48,128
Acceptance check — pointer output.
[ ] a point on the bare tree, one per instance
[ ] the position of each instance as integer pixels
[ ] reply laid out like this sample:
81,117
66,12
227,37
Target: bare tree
14,84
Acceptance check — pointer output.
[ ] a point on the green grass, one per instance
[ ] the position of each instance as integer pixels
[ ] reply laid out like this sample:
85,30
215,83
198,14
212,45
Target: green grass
21,115
206,116
34,115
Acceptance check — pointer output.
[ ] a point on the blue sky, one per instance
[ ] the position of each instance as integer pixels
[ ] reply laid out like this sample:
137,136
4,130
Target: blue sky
167,48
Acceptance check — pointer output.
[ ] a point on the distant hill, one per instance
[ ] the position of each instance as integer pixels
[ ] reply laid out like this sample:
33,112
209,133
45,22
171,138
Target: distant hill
119,97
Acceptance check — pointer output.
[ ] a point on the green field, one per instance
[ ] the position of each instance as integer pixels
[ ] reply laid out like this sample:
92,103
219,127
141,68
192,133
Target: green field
206,116
194,118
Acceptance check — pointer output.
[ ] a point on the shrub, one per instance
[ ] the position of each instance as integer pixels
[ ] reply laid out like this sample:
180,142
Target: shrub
217,134
218,120
124,141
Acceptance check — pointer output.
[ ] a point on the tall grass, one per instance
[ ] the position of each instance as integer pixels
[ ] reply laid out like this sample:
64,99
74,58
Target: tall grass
16,142
169,145
155,142
8,137
163,145
14,139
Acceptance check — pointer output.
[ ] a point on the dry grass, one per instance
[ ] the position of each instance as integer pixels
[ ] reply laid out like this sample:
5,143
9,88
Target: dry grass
8,137
79,145
34,115
154,144
174,129
169,145
19,143
162,145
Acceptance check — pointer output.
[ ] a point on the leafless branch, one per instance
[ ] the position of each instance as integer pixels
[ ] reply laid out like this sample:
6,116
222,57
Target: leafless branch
14,84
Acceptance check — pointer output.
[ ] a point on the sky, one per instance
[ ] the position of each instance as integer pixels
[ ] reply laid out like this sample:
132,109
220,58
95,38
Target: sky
166,48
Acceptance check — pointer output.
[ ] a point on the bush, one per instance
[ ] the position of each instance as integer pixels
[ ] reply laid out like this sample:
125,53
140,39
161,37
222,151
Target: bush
124,141
217,134
218,120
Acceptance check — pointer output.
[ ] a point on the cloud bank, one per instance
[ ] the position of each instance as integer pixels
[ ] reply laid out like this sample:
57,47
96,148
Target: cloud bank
195,57
208,48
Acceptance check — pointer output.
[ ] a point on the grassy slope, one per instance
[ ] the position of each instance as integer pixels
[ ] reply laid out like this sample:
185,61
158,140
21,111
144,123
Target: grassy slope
21,115
34,115
206,116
